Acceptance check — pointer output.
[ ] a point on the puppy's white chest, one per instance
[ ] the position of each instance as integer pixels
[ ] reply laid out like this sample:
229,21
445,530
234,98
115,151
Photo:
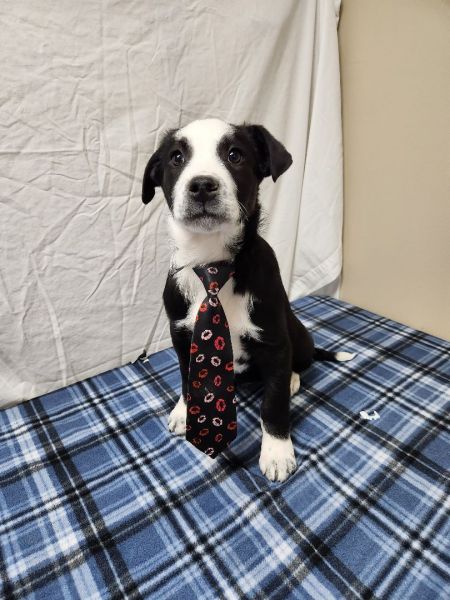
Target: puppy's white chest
237,309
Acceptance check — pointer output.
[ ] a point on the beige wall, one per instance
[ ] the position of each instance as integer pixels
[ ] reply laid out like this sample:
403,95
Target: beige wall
395,73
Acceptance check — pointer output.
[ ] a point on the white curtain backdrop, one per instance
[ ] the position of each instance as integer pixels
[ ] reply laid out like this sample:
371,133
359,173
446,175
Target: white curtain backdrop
88,89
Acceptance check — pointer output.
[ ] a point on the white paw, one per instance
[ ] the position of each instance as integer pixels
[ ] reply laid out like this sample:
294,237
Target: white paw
344,356
177,418
277,459
295,383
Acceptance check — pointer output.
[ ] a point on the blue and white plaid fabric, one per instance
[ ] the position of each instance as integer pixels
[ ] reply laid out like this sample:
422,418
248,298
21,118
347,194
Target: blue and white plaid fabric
98,500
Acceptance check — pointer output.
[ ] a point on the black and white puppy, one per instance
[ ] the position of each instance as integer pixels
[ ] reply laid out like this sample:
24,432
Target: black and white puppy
210,173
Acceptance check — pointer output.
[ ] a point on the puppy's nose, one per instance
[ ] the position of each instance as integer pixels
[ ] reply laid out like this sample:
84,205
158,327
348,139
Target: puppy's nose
203,188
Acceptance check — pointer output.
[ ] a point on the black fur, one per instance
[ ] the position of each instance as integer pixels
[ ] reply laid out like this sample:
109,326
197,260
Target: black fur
285,345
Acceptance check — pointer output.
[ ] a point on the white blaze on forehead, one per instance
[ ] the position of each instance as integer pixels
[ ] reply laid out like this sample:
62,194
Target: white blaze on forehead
205,134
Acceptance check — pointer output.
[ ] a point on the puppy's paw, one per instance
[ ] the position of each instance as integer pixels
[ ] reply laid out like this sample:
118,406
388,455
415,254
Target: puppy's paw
177,418
295,383
277,459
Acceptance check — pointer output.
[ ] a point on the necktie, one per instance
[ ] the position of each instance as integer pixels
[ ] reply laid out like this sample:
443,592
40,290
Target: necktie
211,403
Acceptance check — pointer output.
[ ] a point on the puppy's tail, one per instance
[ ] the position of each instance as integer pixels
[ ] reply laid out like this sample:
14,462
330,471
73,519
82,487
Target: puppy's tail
323,355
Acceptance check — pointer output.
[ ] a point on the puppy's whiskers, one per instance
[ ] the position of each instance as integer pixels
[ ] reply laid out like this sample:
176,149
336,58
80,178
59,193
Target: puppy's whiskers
243,210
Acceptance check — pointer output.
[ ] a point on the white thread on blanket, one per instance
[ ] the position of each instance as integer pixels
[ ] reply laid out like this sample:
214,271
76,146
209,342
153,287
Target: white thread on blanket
364,414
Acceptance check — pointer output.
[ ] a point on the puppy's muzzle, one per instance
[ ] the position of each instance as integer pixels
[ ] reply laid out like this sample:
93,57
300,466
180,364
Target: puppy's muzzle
203,189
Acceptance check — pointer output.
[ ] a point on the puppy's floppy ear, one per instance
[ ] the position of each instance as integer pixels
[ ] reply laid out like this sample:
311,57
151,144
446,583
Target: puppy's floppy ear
274,159
152,177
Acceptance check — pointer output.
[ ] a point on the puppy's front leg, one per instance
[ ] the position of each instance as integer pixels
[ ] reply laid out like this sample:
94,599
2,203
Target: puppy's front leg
181,340
277,459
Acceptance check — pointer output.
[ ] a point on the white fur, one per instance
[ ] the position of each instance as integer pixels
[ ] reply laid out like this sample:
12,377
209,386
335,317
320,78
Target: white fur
196,248
177,417
295,383
277,458
344,356
203,137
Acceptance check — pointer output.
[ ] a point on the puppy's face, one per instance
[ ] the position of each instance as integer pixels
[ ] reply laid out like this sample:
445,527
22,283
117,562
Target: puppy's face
210,172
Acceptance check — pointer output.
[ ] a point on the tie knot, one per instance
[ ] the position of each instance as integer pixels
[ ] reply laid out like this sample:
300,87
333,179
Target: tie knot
214,275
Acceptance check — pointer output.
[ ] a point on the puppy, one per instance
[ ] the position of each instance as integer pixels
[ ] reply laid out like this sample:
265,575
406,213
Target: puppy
210,172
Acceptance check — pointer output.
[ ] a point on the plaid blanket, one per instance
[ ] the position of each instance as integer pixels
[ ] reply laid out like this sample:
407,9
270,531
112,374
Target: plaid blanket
98,500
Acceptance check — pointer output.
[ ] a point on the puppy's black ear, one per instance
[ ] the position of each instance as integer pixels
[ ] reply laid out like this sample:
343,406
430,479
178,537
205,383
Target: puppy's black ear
152,177
274,159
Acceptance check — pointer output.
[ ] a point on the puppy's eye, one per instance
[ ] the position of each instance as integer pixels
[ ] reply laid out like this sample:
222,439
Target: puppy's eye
235,156
177,158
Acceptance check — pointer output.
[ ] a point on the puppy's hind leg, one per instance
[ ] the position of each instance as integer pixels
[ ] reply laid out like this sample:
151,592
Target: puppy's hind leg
302,343
295,383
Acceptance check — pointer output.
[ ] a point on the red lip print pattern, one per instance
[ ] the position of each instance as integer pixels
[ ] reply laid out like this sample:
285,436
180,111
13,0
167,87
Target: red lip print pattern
211,416
219,343
221,405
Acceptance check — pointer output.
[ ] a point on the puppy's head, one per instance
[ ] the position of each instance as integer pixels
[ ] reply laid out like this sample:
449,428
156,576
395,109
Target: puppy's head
210,172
